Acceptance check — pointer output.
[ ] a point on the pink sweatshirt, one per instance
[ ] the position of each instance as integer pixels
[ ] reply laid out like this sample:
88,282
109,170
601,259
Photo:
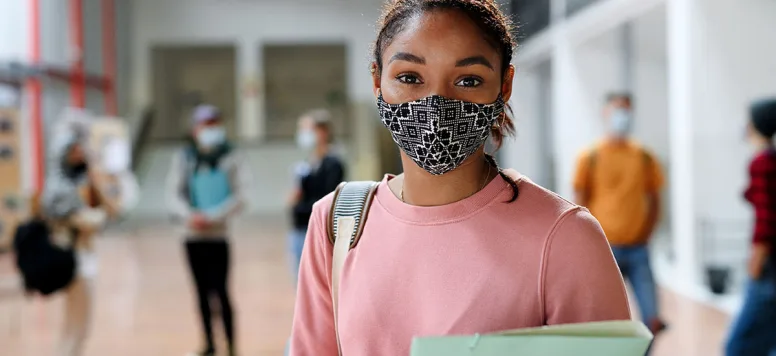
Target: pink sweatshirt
479,265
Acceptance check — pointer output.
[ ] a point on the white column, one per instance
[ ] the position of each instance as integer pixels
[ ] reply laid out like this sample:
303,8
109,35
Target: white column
565,90
250,91
680,97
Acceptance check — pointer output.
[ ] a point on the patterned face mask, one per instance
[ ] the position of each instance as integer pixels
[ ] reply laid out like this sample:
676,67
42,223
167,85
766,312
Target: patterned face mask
439,133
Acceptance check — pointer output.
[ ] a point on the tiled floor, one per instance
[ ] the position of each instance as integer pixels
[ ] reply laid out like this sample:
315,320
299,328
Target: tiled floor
145,304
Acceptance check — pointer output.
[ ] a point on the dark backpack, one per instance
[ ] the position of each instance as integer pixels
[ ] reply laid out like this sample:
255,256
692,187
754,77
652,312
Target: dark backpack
45,267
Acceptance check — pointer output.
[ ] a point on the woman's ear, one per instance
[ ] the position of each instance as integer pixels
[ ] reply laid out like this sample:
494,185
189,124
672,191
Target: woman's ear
375,79
506,84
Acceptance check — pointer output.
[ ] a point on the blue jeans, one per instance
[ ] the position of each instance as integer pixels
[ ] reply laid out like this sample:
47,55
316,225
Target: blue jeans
295,246
754,331
635,267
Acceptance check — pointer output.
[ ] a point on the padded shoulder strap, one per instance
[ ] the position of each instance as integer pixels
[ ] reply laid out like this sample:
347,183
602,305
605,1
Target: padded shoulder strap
346,222
351,199
591,160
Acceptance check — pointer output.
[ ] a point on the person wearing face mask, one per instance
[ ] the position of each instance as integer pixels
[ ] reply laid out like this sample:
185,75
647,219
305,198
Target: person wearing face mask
75,208
620,182
455,245
316,177
206,187
752,332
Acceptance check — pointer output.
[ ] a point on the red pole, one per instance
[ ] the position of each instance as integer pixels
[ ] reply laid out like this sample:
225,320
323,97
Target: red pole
36,92
109,55
78,87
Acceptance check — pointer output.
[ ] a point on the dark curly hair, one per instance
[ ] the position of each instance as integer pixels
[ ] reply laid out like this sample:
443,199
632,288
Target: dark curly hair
486,14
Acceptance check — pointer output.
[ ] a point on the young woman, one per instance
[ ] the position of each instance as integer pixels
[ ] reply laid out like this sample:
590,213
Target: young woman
207,186
75,207
454,245
316,177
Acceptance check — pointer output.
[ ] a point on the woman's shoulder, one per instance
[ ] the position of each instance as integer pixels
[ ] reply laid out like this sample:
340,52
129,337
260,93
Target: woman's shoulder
557,219
544,212
538,198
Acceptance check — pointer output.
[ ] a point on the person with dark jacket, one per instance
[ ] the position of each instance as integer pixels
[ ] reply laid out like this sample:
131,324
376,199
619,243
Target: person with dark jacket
316,177
754,329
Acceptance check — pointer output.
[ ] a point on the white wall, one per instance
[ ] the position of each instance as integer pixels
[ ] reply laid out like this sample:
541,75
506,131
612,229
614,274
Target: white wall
531,151
249,25
735,63
521,152
650,90
14,25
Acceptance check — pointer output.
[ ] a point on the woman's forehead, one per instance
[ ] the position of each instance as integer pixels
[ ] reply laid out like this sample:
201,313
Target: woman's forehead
441,34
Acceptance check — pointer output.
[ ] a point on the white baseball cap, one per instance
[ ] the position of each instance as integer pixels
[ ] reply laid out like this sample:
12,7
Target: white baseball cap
203,113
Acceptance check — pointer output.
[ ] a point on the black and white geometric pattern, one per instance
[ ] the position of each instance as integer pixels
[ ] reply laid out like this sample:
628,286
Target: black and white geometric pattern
439,133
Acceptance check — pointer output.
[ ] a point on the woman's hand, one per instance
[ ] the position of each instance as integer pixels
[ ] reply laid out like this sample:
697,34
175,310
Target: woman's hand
757,260
99,183
199,222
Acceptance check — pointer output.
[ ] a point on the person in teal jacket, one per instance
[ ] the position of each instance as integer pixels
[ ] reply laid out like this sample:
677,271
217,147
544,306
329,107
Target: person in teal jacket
206,188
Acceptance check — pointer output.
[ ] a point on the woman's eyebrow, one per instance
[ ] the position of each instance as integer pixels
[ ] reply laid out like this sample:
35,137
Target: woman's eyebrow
409,57
474,60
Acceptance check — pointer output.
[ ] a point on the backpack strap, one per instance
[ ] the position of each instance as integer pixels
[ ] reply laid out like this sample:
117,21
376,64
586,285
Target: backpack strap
346,223
591,160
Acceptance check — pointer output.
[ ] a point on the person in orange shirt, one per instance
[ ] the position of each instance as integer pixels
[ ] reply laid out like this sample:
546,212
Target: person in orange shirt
620,182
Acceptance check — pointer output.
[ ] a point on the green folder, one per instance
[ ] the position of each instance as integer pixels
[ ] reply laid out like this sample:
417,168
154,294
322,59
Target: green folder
609,338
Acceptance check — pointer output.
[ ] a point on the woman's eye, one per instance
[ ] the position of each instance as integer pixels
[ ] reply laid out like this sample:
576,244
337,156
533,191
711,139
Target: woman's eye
470,82
409,79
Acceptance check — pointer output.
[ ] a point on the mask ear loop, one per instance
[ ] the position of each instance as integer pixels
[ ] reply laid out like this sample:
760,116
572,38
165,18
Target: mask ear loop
496,125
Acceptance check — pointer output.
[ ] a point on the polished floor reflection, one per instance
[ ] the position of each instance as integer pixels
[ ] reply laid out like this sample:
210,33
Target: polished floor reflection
145,306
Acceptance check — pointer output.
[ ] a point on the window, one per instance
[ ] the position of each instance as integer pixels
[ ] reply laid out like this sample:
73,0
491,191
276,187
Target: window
531,16
574,6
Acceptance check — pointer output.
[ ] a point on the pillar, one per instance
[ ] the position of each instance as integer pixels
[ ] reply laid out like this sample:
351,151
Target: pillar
680,98
250,93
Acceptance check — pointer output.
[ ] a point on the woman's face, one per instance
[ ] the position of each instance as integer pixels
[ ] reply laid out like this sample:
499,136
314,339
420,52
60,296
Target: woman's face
442,52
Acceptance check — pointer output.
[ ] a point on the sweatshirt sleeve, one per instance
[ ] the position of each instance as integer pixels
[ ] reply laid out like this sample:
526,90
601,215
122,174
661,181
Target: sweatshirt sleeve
313,328
580,280
175,188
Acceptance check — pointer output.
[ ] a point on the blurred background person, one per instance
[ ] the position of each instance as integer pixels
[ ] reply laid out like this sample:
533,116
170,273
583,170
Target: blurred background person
753,331
206,187
316,177
75,208
620,182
